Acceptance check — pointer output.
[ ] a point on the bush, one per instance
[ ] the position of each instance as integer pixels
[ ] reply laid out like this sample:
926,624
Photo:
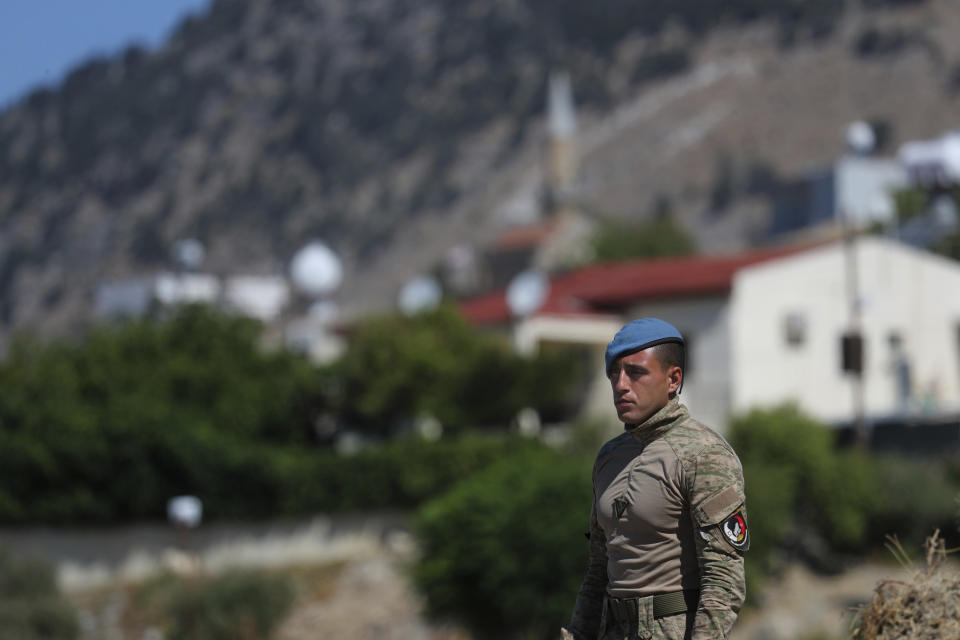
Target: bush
917,497
504,551
403,473
31,607
809,500
804,498
658,238
397,368
238,605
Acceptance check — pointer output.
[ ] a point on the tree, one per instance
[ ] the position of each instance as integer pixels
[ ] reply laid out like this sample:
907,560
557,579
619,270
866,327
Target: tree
503,551
397,368
619,240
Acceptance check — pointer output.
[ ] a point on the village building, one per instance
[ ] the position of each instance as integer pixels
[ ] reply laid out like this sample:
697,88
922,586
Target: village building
765,327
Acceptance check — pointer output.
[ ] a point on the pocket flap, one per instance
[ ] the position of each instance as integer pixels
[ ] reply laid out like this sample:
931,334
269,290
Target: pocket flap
718,507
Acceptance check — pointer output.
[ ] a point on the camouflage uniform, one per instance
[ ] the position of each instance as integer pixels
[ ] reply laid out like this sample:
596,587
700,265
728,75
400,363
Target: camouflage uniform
668,516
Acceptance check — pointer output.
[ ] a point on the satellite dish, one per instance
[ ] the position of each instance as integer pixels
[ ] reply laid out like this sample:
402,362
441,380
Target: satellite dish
419,294
527,292
185,511
860,137
188,253
316,270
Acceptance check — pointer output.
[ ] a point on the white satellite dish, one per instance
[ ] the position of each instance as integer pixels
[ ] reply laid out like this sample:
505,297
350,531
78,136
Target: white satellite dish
188,253
316,270
527,292
860,137
185,511
419,294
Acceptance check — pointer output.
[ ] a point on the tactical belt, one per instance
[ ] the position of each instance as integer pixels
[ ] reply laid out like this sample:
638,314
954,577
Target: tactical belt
626,611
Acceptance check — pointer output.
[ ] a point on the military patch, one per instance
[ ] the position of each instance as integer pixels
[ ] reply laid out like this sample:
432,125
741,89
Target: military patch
735,530
619,506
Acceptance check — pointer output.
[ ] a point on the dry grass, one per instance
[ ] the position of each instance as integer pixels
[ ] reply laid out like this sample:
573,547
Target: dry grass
926,607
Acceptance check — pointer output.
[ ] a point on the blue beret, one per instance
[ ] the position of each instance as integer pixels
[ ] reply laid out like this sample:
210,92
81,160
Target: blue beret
640,334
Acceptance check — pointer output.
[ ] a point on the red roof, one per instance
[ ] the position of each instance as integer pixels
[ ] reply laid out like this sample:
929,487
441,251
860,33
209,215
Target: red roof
607,286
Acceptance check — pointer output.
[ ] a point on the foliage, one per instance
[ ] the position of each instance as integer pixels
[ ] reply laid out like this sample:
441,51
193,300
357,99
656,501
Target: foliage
805,497
237,605
31,608
112,427
397,368
660,237
916,498
910,202
504,550
403,473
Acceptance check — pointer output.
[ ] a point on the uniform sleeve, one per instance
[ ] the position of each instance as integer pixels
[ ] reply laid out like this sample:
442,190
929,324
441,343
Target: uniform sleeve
585,622
718,510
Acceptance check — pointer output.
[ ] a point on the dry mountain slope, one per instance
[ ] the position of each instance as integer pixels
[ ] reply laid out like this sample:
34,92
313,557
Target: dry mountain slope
395,128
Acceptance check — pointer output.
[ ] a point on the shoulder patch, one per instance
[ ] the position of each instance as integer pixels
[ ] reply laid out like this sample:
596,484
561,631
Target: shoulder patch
735,530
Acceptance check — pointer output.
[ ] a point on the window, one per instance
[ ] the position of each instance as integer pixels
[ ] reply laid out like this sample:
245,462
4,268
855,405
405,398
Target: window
795,329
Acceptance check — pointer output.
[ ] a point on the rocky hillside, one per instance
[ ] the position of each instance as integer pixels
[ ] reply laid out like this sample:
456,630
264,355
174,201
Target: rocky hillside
393,129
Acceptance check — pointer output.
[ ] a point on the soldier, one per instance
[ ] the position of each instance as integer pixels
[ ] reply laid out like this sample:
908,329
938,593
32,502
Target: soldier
668,526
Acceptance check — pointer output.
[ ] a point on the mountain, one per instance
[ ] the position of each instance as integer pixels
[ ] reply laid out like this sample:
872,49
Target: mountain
394,129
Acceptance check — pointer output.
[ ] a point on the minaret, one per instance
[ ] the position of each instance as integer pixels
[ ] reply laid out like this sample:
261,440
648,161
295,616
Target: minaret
561,146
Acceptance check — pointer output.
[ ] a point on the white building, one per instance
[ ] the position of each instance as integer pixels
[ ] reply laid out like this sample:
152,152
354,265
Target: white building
787,317
764,327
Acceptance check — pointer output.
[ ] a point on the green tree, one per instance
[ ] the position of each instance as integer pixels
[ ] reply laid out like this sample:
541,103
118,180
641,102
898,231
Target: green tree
113,426
504,552
397,368
619,240
803,496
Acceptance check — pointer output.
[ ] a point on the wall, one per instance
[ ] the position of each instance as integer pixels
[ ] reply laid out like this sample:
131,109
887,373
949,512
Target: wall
912,293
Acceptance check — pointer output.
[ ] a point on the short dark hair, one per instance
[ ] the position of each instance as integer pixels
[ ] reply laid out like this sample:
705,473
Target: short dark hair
670,354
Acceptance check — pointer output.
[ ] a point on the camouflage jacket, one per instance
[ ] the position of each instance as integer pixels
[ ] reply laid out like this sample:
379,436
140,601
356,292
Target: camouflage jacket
669,513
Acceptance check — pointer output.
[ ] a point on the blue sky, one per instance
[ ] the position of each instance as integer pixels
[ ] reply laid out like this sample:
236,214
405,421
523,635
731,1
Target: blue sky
41,40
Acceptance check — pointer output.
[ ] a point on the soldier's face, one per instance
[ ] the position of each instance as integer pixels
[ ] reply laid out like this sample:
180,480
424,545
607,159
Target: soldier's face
641,386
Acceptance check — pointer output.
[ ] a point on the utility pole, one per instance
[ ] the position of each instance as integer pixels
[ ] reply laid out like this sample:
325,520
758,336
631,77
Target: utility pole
860,141
853,343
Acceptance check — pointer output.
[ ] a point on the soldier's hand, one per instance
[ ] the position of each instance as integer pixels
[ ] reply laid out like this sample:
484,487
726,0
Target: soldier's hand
565,635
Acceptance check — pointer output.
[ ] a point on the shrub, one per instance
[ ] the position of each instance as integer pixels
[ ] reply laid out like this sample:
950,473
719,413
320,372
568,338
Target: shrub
504,550
808,499
31,607
238,605
804,497
917,497
628,240
397,368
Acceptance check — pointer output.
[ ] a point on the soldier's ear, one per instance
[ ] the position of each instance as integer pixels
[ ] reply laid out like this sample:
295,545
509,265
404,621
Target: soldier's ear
675,376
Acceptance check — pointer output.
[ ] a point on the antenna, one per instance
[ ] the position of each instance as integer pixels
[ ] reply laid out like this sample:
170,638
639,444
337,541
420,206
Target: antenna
419,294
316,270
527,292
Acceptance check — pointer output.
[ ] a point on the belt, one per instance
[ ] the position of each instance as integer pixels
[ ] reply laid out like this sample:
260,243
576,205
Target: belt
626,611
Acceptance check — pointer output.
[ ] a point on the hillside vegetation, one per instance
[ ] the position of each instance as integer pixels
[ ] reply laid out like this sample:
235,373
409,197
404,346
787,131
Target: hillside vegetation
264,122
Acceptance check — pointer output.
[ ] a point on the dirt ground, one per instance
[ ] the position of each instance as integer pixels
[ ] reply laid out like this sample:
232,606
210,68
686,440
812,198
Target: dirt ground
359,587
